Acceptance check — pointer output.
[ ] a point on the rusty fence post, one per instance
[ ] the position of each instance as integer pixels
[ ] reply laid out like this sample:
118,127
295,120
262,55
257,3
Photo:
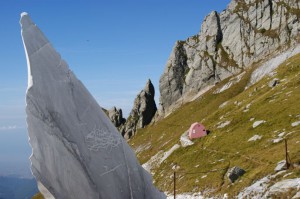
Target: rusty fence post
286,155
174,178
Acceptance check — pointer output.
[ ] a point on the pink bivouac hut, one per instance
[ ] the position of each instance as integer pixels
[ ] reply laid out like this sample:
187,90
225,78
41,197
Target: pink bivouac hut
197,130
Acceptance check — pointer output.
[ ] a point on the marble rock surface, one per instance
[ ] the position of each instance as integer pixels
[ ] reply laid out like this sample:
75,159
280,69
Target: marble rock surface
77,151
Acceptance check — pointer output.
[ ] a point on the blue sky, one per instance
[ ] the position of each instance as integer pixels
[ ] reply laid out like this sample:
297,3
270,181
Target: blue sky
112,46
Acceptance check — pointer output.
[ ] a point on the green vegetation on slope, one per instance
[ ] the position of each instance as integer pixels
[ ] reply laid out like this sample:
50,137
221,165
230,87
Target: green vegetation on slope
226,147
38,196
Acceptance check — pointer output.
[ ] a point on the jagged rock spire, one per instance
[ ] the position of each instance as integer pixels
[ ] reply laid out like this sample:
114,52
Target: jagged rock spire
144,109
116,116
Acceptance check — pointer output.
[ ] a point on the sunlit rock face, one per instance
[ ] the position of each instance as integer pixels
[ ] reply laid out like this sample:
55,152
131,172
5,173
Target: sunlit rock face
246,32
77,152
144,109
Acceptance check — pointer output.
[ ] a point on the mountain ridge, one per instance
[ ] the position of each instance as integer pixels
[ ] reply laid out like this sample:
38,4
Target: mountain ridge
245,32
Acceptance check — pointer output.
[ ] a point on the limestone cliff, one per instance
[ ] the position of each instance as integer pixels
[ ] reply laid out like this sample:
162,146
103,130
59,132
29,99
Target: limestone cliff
247,31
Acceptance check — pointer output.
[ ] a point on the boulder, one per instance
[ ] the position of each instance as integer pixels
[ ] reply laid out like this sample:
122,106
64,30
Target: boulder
185,140
280,166
273,82
234,173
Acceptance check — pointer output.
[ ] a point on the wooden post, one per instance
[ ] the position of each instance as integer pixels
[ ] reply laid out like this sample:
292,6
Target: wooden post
174,178
286,155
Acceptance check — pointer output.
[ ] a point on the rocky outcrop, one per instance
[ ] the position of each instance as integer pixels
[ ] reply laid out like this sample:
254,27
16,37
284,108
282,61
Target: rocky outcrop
246,32
144,109
116,116
273,82
281,166
234,173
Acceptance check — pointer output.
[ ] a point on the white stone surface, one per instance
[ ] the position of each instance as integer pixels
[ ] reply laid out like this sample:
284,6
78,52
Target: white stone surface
187,196
280,165
281,134
284,186
257,123
272,64
295,123
184,140
277,140
43,189
223,124
297,196
77,152
158,158
223,104
231,82
258,189
254,138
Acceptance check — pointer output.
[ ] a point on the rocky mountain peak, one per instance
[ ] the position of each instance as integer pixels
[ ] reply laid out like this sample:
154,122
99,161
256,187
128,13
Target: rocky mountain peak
149,88
211,27
144,109
116,116
248,31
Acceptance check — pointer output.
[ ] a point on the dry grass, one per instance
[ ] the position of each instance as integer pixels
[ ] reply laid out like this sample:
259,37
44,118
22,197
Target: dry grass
38,196
279,106
229,146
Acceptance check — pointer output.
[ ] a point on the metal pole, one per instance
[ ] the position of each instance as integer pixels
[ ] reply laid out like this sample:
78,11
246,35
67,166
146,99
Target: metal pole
174,184
286,155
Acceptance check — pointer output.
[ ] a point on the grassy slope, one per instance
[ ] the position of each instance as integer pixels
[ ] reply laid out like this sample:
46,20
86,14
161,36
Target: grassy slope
231,142
278,106
38,196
